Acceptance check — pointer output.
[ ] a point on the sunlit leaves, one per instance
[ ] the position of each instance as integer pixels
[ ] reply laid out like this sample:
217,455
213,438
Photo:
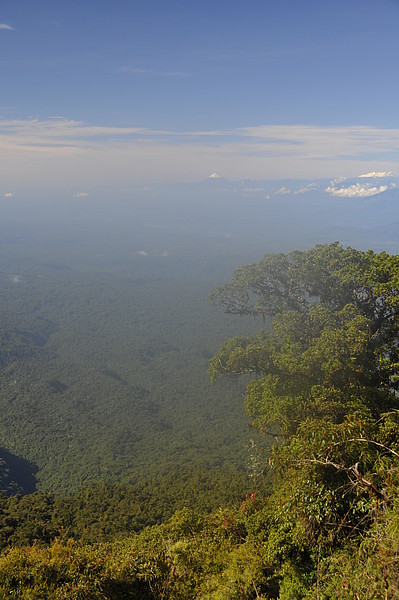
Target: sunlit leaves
324,381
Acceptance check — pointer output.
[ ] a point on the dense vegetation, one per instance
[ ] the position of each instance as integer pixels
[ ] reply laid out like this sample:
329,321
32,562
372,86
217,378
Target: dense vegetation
103,365
323,387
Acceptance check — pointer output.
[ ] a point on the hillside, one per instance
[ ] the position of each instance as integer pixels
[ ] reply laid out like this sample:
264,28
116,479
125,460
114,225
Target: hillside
323,379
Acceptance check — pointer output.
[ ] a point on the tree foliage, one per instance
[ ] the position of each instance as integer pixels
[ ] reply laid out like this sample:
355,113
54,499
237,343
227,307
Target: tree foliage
331,274
324,383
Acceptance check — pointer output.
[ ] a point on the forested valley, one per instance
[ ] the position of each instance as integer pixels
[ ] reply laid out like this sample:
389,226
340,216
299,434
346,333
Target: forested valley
126,473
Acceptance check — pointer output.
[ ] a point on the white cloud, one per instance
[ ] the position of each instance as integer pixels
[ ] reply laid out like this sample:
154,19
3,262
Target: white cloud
142,253
283,190
358,190
80,194
214,176
6,27
376,174
306,188
62,152
8,194
253,190
338,180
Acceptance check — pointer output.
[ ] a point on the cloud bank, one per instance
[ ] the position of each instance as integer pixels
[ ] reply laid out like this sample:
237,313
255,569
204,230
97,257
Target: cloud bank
356,190
375,174
62,152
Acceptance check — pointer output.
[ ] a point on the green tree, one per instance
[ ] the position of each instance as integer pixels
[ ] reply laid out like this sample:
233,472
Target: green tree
332,349
324,383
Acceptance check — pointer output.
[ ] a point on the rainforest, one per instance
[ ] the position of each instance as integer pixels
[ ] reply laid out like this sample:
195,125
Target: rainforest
165,434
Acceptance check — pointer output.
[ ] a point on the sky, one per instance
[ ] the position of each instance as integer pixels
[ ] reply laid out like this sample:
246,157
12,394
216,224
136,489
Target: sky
137,92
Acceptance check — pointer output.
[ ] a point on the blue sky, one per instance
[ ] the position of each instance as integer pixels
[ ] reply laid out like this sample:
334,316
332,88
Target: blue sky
129,92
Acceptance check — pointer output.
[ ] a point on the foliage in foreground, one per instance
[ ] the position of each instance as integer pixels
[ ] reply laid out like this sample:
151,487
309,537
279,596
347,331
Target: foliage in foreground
242,554
324,384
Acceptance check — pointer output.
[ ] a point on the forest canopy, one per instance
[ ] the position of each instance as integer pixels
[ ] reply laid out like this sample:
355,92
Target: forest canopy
323,373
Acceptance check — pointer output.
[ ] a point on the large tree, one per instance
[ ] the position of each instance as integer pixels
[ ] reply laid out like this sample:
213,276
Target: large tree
335,326
331,275
324,381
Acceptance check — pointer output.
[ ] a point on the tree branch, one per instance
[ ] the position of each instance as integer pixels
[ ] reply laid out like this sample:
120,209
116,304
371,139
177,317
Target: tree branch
381,495
364,440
